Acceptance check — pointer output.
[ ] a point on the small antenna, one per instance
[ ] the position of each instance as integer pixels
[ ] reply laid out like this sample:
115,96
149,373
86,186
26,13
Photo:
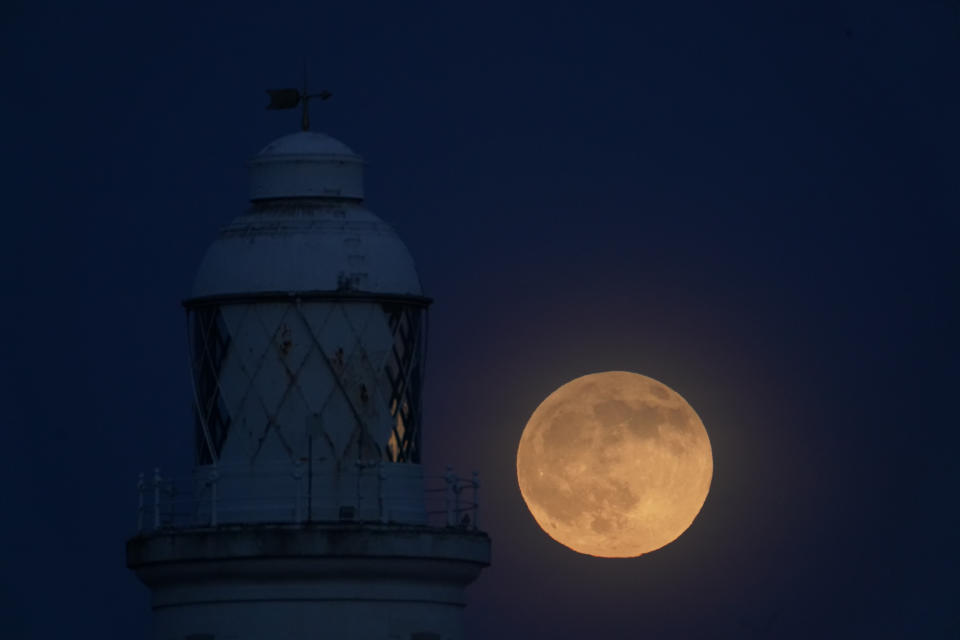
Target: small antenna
291,98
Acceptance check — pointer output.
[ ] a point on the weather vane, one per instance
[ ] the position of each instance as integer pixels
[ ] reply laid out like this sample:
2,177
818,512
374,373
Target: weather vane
290,98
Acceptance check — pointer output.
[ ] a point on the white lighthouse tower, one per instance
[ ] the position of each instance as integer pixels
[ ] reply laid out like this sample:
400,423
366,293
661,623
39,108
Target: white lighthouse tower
306,516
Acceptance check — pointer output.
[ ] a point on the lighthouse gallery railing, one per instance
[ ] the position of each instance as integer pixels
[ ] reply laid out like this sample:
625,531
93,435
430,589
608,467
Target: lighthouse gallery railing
173,503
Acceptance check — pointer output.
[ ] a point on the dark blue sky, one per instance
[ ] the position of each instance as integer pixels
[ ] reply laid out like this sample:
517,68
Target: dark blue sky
755,204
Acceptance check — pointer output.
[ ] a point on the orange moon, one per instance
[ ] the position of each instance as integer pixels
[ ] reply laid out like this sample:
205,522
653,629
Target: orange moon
614,464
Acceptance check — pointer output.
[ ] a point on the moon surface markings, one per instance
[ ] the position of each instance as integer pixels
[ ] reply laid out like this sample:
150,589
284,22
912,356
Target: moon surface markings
614,464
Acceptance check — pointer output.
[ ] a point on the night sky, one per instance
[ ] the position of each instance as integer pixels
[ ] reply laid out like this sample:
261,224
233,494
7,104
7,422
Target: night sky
756,205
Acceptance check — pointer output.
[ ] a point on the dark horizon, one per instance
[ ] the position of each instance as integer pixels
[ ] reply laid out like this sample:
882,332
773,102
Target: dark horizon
754,204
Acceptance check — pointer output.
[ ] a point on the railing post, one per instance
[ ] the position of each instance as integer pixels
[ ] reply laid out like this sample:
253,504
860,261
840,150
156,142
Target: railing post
451,496
297,477
476,503
212,479
456,500
140,486
381,478
156,497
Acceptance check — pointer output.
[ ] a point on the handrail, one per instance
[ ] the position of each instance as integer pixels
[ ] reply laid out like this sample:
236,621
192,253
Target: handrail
201,504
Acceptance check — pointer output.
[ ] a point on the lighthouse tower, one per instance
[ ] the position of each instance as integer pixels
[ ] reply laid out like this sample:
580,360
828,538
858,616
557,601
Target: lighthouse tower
307,514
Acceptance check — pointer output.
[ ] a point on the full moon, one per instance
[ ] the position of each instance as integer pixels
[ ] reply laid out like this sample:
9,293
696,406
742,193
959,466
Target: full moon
614,464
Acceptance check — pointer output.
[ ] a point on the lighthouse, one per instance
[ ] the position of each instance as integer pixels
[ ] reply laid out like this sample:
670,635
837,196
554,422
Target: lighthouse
308,514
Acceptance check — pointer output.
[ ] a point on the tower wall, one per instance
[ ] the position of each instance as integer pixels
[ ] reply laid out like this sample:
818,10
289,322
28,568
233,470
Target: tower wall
325,581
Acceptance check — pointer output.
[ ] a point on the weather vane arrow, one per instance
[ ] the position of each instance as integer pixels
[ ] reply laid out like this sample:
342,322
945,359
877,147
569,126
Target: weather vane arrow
290,98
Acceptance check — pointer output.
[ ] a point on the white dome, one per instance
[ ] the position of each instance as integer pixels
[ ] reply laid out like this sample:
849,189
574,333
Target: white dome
307,247
306,164
307,230
307,143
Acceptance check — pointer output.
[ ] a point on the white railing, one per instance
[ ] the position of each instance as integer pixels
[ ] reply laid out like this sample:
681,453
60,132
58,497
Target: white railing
458,511
182,502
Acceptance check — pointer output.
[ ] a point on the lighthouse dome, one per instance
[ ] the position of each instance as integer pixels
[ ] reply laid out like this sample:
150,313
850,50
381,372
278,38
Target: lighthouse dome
306,164
307,230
